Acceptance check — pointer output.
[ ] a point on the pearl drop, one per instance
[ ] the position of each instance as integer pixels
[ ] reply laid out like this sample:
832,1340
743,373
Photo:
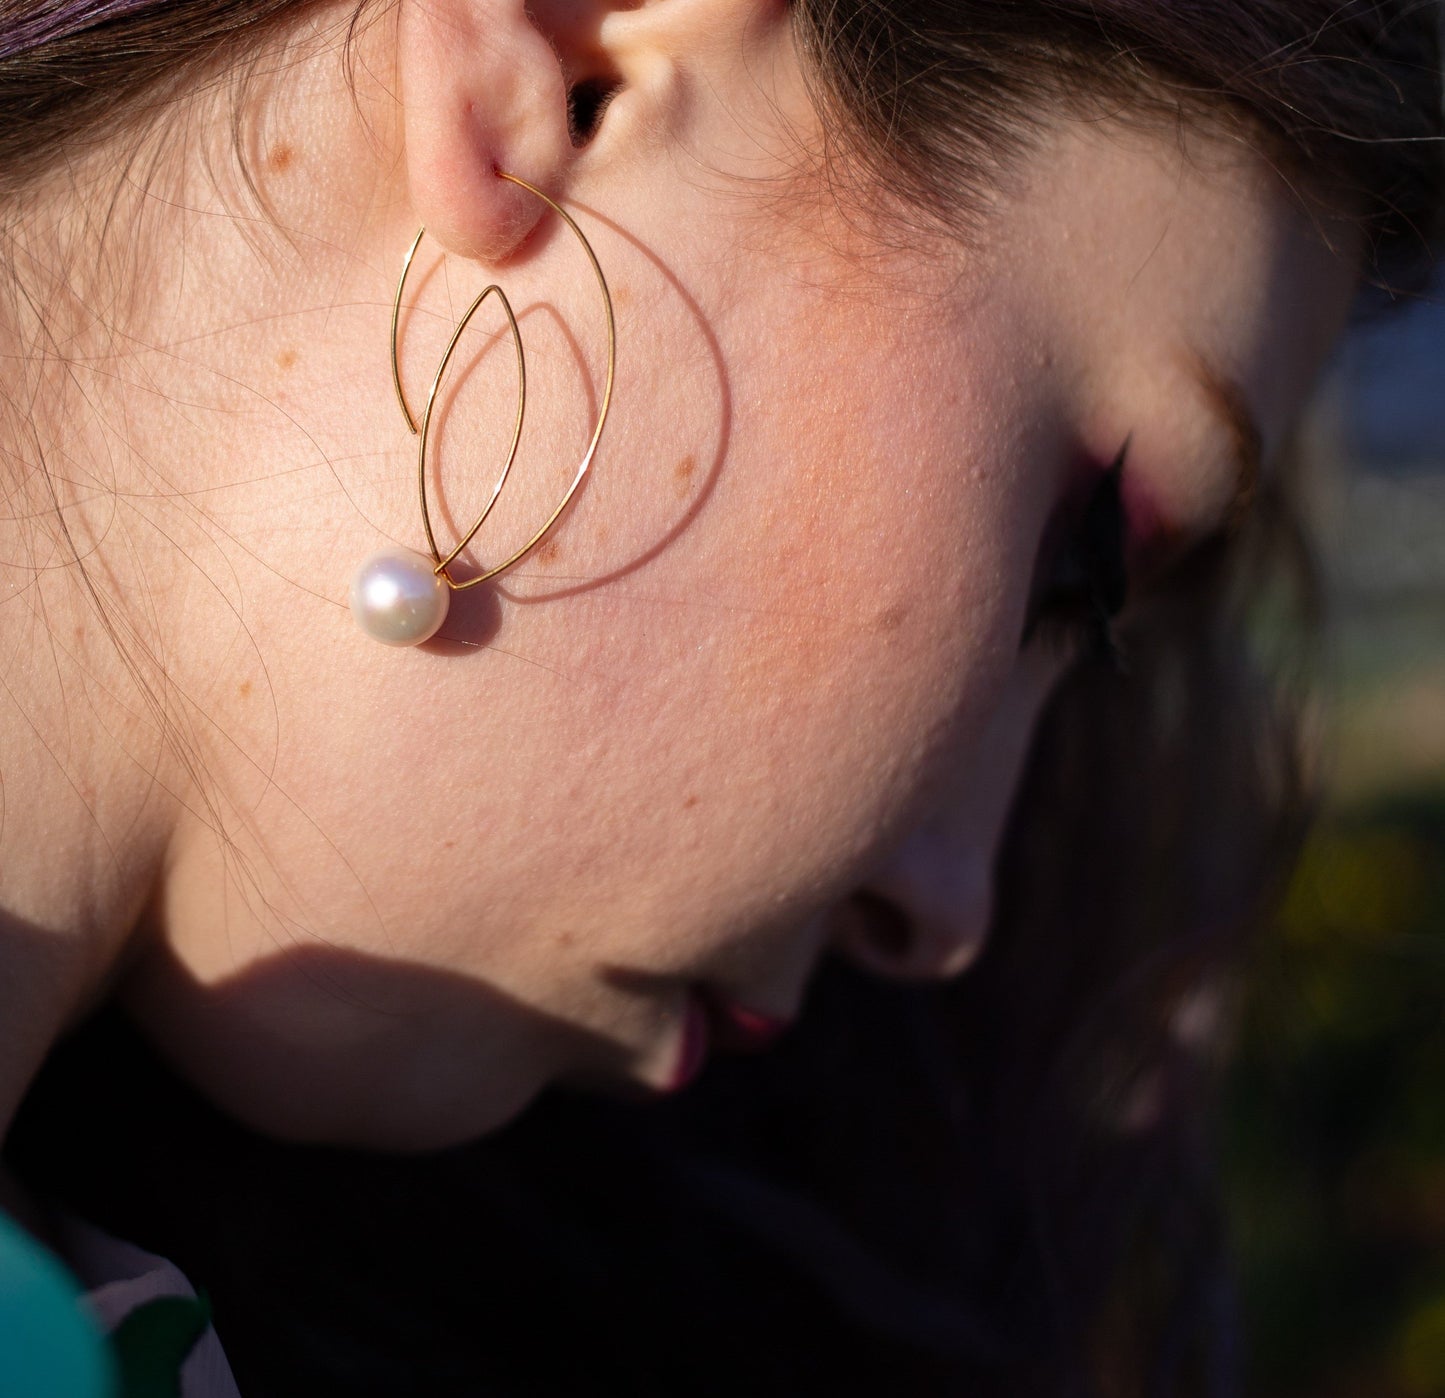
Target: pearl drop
397,599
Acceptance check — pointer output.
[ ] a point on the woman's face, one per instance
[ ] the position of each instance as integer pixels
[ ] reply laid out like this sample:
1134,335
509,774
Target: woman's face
770,659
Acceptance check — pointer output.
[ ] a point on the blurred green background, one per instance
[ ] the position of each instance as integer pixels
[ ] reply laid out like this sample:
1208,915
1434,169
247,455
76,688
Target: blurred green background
1335,1125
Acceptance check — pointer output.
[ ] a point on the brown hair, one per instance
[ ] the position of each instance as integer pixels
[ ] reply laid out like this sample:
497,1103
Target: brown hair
93,69
939,95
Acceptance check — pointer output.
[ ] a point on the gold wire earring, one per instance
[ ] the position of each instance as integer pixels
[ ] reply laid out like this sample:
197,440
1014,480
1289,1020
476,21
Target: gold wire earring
400,597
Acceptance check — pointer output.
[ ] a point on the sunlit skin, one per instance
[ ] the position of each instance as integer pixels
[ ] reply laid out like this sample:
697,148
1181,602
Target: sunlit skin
772,655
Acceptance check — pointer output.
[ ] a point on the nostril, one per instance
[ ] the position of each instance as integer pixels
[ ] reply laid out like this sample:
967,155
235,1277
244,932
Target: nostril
912,929
884,926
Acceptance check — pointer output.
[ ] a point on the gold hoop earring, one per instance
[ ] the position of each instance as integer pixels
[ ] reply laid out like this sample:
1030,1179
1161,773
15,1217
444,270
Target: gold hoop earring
400,597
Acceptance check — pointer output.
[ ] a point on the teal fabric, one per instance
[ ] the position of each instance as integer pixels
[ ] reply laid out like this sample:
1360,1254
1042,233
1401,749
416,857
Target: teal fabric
49,1346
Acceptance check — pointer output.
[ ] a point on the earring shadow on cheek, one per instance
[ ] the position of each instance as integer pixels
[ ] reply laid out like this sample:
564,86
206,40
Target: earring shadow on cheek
686,486
674,492
473,620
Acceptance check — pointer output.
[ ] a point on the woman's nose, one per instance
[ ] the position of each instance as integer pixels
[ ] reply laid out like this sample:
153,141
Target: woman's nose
924,915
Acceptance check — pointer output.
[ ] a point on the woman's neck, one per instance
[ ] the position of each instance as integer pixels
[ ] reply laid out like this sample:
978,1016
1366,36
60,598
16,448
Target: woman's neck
84,808
43,989
84,788
156,353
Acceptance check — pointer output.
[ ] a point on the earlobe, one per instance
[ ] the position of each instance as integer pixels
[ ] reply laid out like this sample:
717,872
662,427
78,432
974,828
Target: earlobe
482,89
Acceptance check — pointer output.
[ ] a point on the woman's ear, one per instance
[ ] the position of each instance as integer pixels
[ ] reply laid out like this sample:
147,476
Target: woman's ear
483,88
521,85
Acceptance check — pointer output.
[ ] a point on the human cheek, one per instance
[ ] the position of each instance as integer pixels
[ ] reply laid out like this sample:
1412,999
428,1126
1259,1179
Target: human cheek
765,702
877,573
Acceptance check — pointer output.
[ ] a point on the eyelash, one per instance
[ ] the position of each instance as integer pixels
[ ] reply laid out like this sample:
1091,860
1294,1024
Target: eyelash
1083,580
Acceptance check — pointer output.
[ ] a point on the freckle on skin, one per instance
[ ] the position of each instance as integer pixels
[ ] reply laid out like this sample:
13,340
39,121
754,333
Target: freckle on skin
449,844
245,689
682,475
549,551
891,618
286,359
281,158
691,801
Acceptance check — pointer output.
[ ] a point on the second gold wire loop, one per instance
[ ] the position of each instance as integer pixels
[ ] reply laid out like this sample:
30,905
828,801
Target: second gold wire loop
423,433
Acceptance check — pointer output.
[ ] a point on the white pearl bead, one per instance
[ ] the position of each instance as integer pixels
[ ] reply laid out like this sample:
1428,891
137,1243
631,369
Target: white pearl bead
398,599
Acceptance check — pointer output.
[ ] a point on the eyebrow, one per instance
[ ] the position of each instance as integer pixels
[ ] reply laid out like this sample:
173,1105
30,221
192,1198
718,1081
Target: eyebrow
1228,402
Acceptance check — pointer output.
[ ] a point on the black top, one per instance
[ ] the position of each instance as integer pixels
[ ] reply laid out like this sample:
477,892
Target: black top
823,1218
